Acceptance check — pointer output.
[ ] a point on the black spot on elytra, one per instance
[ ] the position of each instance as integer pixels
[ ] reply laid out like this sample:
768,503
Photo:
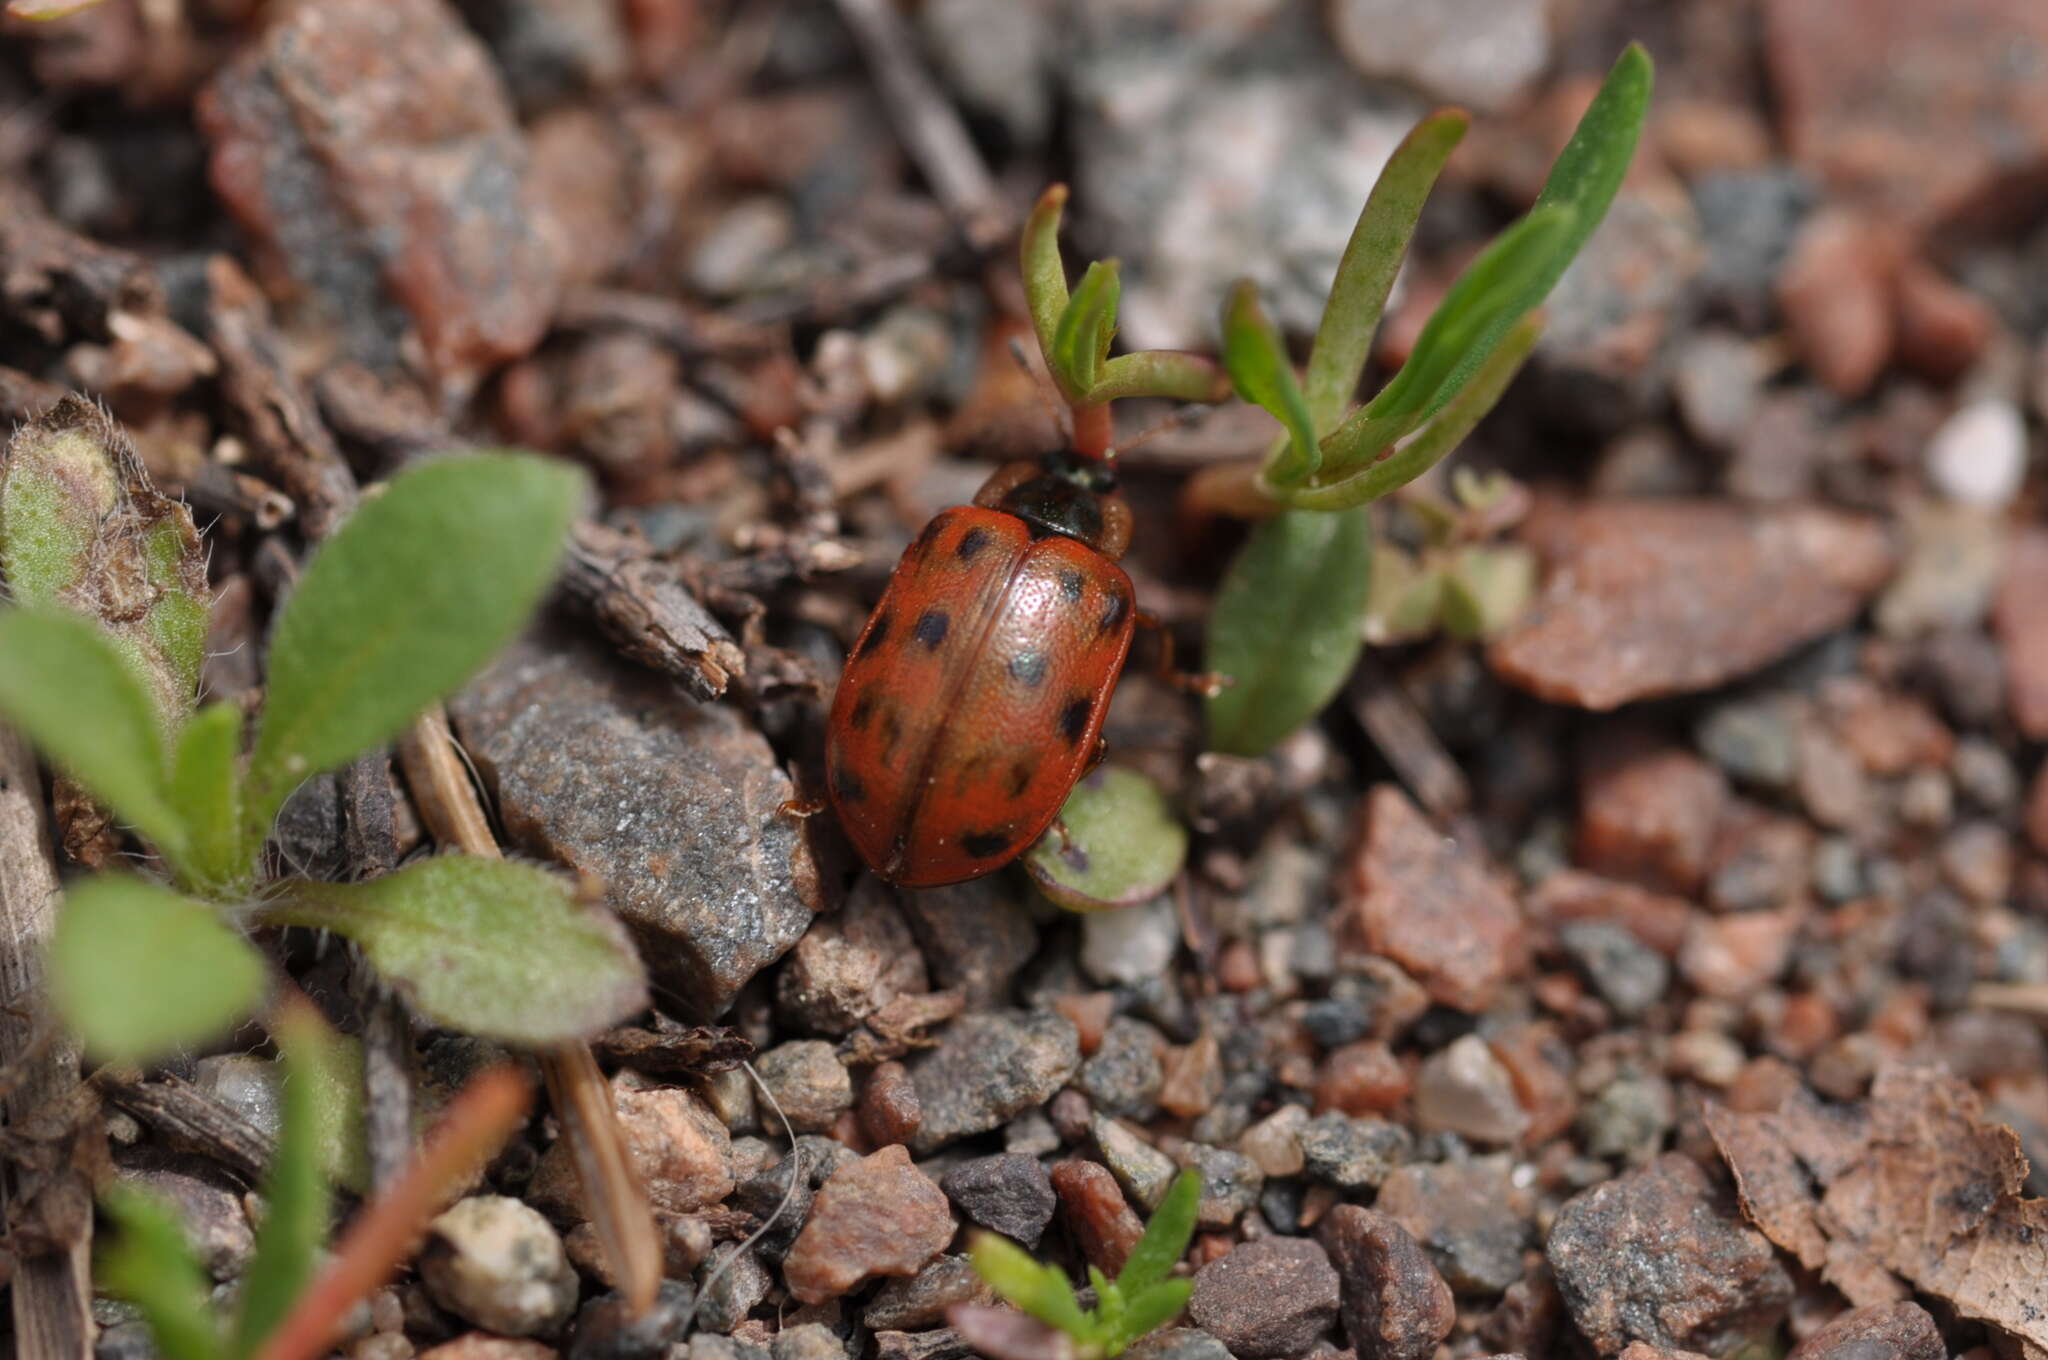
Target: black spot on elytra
929,534
878,633
863,709
892,728
1072,585
985,844
1027,668
1113,613
1021,775
1074,718
971,543
848,785
931,628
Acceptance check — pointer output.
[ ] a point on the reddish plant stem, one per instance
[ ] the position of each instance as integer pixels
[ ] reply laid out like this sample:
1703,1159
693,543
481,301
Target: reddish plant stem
1093,430
481,1117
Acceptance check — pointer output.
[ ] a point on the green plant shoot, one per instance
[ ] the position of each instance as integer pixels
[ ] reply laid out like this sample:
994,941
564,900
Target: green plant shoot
1140,1299
1288,624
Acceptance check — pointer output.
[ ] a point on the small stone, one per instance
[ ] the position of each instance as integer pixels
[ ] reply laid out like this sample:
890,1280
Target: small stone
1464,1089
1231,1182
2021,619
922,1300
781,1198
680,1150
245,1084
1142,1170
1707,1056
1467,52
1734,956
1362,1078
1131,944
1760,861
976,936
1979,455
1717,380
594,762
606,1328
482,1346
1654,1256
1274,1143
1954,554
986,1068
1885,1331
849,965
1630,976
1178,1343
1374,999
1648,814
1273,1297
1749,220
1096,1214
889,1109
1466,1215
1194,1078
1754,740
731,1285
808,1341
808,1081
878,1216
1610,313
1628,1118
1008,1193
711,1346
1943,329
1352,1154
1396,1306
1977,859
212,1217
1836,296
493,1261
1659,920
1124,1076
1647,598
1423,901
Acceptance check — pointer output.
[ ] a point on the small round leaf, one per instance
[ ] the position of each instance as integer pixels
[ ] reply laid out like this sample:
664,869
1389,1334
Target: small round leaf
1122,845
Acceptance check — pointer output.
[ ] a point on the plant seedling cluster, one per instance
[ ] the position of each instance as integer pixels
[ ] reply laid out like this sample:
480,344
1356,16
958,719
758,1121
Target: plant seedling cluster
1141,1298
99,661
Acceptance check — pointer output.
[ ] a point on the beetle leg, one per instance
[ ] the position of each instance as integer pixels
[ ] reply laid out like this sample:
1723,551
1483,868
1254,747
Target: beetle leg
800,808
1208,684
1101,750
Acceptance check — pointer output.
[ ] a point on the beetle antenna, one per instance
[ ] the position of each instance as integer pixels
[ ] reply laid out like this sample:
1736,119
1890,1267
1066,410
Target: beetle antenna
1185,417
1055,409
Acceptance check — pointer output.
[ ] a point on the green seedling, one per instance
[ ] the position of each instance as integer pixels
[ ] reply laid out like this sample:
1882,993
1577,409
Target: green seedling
1074,333
1287,627
1117,844
1139,1300
1458,581
289,1306
408,599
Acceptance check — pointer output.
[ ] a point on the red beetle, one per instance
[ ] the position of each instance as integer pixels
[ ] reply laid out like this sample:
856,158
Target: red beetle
974,699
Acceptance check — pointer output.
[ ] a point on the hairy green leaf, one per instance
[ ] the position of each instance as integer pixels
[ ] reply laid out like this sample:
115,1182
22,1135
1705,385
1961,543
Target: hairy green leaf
1256,358
1045,277
1166,1236
1157,1306
487,946
1168,373
1081,342
1372,257
1040,1290
294,1188
1287,625
70,690
139,971
149,1263
1431,445
1122,844
412,594
207,789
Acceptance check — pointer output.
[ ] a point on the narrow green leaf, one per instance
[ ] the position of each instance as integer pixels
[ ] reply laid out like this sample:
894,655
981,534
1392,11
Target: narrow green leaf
1045,277
1256,358
1149,1311
1287,626
1372,257
1040,1290
1166,1236
1169,373
413,593
1081,341
1589,171
68,688
1496,290
1123,844
486,946
149,1263
295,1203
207,789
139,971
1433,444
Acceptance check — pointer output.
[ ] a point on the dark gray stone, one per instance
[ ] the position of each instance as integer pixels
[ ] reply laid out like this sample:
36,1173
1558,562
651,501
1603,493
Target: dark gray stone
1629,975
1352,1154
1008,1193
1123,1076
1272,1297
987,1068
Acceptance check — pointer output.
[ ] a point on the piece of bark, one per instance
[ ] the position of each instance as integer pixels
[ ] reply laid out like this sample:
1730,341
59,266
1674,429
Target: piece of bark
643,606
52,1289
190,1120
